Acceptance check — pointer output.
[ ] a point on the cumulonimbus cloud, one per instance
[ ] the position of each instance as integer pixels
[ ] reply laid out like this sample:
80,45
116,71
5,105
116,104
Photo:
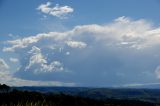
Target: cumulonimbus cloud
93,50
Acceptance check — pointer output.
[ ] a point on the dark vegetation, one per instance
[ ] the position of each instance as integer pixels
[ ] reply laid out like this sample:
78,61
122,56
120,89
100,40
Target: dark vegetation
83,97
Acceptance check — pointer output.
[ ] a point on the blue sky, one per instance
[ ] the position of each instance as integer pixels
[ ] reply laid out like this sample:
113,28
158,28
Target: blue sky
24,15
79,43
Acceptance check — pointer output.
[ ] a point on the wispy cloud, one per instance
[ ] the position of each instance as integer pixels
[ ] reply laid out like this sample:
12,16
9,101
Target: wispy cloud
3,65
57,11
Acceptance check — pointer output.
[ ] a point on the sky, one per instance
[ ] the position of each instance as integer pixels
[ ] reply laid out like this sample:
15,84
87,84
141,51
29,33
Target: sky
89,43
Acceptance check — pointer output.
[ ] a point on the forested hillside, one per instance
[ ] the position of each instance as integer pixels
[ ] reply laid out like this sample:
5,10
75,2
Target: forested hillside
13,97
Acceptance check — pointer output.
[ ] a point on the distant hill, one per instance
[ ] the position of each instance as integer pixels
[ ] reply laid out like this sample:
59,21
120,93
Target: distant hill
149,95
76,96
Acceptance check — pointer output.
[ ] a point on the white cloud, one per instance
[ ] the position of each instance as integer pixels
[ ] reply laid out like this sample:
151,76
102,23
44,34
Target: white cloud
122,19
137,34
25,42
14,60
54,66
37,57
44,8
58,11
7,78
76,44
21,43
39,64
